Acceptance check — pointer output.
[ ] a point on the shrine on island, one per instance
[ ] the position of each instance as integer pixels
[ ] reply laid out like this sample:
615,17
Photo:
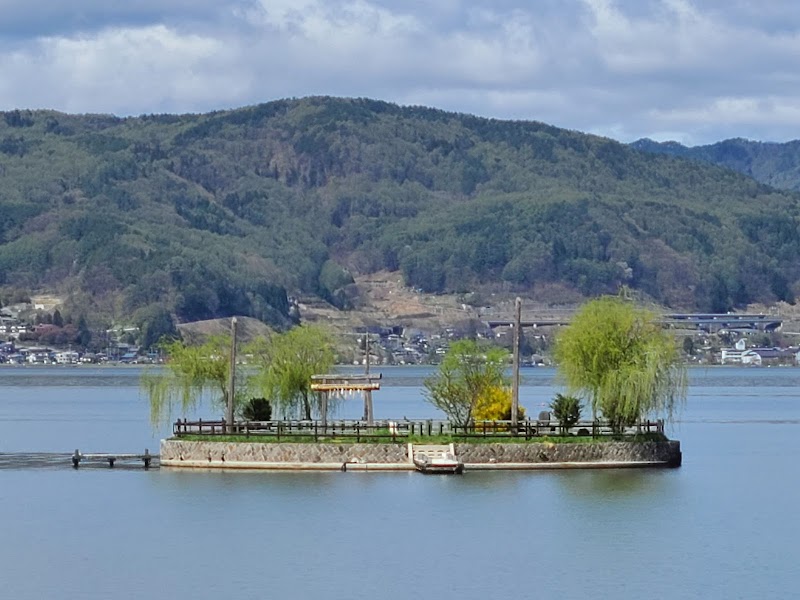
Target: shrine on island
344,385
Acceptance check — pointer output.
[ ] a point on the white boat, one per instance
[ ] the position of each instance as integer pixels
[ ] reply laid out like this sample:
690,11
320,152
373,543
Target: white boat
437,460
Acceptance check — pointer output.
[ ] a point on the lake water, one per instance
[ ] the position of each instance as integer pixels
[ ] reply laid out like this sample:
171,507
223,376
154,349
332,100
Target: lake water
724,525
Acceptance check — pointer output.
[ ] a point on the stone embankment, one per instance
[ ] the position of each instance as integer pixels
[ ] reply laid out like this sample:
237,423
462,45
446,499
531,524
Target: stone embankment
395,457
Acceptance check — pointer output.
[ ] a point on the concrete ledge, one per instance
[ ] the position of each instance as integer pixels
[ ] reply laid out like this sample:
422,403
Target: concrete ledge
366,467
611,464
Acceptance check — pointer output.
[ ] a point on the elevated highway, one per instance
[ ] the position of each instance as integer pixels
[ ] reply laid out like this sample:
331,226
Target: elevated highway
708,322
713,323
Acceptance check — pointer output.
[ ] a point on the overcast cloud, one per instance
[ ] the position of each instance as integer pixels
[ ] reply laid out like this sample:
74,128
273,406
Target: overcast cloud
692,70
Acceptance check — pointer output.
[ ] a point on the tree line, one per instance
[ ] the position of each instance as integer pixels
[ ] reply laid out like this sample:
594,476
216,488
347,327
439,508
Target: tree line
613,357
276,378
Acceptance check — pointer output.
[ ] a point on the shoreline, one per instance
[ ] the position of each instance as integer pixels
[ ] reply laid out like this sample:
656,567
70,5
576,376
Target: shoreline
119,365
200,465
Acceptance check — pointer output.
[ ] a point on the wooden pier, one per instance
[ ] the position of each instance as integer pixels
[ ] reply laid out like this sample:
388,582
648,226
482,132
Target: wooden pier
78,457
60,460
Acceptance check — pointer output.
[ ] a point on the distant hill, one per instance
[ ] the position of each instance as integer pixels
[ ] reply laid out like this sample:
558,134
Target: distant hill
233,212
247,329
775,164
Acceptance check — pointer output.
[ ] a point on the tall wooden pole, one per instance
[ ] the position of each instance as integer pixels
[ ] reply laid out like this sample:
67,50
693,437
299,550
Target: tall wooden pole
367,393
231,378
515,371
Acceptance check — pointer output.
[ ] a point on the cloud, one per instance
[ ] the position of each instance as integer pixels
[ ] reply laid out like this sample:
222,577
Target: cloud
700,71
125,71
758,111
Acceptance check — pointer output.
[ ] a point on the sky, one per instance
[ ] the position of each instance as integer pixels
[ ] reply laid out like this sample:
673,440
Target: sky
694,71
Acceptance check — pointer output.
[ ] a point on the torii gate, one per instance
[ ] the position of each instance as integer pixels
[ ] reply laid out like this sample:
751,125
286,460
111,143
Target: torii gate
338,384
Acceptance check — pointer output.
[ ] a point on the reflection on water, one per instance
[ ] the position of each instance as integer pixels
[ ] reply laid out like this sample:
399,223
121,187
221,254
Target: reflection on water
614,483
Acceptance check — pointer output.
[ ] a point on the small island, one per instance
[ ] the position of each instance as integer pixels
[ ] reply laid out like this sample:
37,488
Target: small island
391,445
613,353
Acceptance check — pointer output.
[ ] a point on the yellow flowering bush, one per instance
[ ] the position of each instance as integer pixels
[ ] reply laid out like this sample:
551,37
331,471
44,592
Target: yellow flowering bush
495,405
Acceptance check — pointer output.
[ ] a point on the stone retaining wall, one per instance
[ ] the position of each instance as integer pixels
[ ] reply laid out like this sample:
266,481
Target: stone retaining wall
176,453
666,452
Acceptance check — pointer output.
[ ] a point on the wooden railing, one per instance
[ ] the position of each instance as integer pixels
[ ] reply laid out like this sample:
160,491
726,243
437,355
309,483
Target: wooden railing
399,430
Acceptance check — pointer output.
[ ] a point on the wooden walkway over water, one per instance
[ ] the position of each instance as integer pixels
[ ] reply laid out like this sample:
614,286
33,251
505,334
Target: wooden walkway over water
61,460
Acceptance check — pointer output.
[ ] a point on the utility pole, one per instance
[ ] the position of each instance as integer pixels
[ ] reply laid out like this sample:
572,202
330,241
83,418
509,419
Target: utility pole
231,379
515,370
367,393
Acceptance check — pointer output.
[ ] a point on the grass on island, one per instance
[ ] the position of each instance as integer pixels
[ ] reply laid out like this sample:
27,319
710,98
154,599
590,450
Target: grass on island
424,439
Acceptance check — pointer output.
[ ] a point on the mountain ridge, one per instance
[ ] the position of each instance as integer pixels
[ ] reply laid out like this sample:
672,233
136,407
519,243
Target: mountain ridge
773,163
232,212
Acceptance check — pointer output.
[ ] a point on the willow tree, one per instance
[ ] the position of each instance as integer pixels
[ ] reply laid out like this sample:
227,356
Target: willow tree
467,376
287,363
191,373
621,358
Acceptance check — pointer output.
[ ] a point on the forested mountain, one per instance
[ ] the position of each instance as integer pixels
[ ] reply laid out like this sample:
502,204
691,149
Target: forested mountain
775,164
227,213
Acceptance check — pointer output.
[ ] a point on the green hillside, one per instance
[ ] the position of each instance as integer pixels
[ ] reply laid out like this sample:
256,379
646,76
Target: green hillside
228,213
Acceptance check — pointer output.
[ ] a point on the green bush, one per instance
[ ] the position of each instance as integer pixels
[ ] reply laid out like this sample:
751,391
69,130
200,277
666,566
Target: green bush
257,409
567,410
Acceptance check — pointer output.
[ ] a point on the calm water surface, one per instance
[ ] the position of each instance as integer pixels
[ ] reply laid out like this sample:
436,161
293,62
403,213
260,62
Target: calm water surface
725,525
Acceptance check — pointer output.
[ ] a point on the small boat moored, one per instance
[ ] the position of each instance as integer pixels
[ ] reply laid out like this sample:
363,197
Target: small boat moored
436,460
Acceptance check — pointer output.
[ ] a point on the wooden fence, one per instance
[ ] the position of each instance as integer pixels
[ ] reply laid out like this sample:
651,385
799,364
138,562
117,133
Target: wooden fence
399,430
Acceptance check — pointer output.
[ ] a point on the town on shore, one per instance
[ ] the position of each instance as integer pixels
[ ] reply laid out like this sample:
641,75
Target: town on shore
723,339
